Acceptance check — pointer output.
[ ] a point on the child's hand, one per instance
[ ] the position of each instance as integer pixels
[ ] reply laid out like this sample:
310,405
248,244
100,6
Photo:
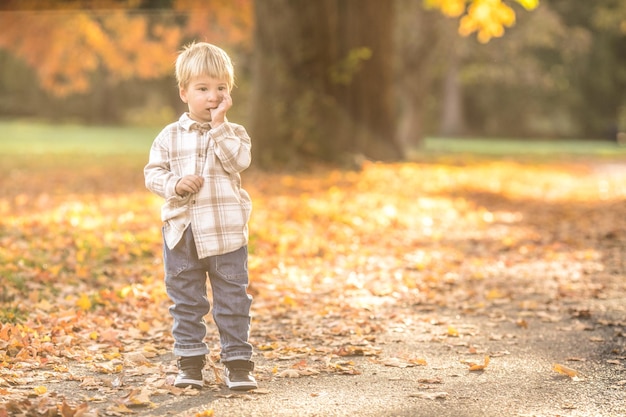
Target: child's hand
218,114
189,184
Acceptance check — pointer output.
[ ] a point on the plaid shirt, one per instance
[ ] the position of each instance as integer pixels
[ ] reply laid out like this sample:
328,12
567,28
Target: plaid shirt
219,212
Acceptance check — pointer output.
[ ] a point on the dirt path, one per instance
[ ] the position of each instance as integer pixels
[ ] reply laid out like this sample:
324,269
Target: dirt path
518,381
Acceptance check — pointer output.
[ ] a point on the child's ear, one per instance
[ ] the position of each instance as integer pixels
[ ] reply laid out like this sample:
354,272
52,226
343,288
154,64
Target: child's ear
182,92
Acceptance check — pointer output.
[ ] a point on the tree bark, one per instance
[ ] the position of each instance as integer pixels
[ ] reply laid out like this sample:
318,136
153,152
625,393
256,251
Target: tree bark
310,99
452,120
419,54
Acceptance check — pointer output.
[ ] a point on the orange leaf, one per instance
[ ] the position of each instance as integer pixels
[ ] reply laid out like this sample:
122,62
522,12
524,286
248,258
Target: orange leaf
478,367
564,370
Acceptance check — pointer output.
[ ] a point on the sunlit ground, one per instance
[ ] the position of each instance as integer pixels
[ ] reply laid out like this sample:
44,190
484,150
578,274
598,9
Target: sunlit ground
80,249
386,230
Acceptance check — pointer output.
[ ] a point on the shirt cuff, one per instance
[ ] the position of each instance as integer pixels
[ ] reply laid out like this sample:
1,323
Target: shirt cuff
172,196
222,131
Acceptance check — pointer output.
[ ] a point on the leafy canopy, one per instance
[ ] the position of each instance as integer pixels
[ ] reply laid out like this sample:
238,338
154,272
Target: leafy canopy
487,18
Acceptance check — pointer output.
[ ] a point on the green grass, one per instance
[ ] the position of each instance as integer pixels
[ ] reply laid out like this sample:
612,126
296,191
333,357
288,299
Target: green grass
17,137
519,147
20,138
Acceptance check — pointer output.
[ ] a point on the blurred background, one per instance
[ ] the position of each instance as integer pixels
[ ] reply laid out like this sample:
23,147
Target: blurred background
326,78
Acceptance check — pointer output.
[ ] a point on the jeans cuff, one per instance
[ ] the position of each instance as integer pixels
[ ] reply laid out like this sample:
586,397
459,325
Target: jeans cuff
237,356
191,350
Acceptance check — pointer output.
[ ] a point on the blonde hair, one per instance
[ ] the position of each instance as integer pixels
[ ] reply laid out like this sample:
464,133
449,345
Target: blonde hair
202,58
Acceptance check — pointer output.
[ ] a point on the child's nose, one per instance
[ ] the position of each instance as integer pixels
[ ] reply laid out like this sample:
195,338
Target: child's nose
214,95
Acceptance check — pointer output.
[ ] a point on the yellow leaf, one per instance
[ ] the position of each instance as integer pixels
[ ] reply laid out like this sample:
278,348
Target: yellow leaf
205,413
289,301
452,331
126,291
451,8
529,4
467,25
40,390
494,294
143,326
84,303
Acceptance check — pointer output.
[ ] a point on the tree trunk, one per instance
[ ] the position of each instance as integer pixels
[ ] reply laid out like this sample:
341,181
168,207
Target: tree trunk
316,94
452,123
418,55
367,26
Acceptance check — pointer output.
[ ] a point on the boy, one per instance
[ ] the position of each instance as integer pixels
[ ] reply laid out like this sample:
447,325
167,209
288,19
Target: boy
195,165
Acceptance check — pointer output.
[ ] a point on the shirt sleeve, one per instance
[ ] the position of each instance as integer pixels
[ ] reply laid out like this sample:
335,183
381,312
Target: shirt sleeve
158,176
233,147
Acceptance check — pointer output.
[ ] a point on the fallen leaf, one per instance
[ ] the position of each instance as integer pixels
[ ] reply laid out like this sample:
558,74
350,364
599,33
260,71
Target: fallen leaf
84,303
474,367
430,395
137,398
78,411
260,391
118,409
418,361
430,381
289,373
402,363
564,370
135,358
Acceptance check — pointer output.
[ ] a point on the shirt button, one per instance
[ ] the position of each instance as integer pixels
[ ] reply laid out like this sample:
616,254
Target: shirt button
193,201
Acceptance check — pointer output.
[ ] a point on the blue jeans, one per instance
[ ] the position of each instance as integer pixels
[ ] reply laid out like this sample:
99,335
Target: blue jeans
185,283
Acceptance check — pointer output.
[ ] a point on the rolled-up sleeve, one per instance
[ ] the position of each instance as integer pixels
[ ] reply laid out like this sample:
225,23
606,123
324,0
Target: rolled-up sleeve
158,175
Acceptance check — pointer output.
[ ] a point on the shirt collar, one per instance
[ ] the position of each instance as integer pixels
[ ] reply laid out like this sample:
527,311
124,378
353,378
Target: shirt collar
189,124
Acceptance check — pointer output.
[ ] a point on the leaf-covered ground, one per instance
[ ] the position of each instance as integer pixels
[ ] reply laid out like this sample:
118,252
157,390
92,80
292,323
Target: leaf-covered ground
338,260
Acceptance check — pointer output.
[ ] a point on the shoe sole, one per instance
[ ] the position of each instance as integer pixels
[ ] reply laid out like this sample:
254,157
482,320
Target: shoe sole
186,382
241,386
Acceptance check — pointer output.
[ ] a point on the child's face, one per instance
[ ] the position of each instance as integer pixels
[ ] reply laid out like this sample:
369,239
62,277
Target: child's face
202,94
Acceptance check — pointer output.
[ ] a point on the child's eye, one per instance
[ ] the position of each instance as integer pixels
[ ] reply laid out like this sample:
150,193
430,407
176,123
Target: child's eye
222,88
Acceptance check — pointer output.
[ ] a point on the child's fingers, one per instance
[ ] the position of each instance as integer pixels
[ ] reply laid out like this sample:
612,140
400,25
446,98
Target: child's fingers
227,101
191,183
194,184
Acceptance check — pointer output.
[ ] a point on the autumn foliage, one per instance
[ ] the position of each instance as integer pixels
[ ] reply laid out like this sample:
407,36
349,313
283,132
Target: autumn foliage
67,42
486,18
337,258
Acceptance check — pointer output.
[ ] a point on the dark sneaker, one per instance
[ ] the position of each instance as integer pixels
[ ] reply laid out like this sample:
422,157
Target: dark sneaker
238,375
190,372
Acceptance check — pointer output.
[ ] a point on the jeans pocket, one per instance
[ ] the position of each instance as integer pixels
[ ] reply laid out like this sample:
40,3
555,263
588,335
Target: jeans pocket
233,266
176,260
